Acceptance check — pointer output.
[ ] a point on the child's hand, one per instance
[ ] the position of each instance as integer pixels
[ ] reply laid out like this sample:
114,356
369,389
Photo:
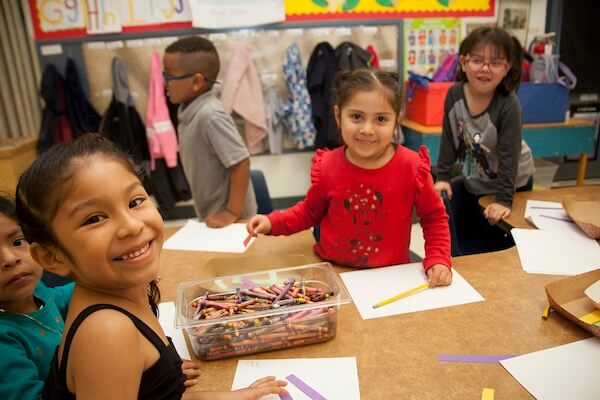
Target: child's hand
259,224
220,219
191,370
495,212
442,186
260,388
439,275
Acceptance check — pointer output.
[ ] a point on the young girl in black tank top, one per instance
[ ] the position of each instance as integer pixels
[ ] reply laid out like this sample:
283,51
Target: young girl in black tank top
86,214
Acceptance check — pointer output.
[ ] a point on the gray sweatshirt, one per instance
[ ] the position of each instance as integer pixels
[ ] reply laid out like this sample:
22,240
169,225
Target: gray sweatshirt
493,156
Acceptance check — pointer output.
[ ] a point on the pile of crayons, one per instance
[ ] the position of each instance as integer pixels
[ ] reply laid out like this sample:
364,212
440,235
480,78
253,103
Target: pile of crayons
258,333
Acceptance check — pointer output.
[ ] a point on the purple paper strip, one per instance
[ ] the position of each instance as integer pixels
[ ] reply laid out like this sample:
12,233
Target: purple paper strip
304,387
480,359
557,218
285,397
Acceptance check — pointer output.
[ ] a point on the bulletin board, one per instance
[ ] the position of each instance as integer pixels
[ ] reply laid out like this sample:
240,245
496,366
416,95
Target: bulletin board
268,55
63,19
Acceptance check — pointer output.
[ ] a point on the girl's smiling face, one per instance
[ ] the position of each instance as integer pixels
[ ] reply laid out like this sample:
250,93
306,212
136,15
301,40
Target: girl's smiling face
485,67
109,232
367,122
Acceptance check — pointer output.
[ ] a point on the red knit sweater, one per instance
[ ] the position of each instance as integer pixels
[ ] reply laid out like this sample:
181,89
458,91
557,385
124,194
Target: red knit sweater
366,215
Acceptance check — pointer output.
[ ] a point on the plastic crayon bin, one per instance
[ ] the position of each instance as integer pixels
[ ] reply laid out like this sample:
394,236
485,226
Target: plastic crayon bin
223,319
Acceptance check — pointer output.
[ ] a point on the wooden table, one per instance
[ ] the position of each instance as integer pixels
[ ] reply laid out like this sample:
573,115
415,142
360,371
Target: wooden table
575,136
517,219
397,356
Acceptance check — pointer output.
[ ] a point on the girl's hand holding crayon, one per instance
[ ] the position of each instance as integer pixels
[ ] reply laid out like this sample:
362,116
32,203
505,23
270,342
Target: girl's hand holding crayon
439,275
496,212
259,224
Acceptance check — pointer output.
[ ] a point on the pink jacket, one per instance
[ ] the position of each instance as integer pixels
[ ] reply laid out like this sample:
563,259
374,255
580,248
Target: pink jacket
162,139
242,93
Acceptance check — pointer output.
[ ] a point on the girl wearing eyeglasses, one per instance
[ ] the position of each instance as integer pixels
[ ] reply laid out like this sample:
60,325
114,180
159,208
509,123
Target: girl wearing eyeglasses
482,129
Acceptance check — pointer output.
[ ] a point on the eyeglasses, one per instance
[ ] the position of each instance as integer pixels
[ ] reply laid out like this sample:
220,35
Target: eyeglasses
168,78
477,63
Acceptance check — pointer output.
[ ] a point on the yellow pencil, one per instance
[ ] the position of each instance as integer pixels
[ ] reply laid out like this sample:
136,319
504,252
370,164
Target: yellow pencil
401,295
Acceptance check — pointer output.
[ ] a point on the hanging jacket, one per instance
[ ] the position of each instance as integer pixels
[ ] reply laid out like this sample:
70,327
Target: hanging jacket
298,111
55,126
169,185
121,121
322,67
351,56
275,122
242,93
84,118
160,132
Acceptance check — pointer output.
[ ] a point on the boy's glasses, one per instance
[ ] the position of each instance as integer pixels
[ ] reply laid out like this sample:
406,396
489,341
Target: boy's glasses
169,78
477,63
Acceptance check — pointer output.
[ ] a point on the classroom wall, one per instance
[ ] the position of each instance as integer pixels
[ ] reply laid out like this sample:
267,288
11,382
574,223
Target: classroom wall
287,175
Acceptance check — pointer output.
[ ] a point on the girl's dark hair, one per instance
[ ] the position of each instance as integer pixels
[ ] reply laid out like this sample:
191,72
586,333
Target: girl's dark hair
42,187
348,82
504,44
7,207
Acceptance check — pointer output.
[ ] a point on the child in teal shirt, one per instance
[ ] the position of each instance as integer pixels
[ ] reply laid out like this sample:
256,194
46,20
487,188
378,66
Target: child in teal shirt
31,314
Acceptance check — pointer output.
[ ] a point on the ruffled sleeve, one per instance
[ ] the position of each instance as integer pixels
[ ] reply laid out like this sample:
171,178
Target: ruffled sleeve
315,169
424,168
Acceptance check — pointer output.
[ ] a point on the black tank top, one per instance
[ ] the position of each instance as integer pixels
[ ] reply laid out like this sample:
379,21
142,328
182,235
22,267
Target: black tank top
163,380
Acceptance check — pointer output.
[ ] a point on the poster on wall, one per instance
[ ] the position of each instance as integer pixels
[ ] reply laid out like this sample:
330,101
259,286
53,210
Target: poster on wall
427,42
219,14
513,16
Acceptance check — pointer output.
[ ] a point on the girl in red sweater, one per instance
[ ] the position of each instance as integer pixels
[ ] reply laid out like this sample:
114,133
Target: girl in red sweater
362,194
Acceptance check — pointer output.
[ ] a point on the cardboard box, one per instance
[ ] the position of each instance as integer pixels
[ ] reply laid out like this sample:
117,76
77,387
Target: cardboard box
567,298
426,105
207,310
543,102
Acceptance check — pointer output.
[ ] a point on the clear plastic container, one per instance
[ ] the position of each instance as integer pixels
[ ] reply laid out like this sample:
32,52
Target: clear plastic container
306,313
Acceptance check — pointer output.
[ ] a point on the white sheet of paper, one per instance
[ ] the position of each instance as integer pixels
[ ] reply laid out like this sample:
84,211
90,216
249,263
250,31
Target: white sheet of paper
569,371
219,14
566,252
370,286
166,318
546,214
196,236
316,372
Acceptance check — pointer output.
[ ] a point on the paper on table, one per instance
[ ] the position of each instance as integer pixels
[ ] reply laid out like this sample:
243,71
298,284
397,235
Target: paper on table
567,252
370,286
569,371
166,318
547,214
316,372
196,236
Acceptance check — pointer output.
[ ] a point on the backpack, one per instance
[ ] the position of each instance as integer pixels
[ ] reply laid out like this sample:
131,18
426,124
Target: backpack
548,69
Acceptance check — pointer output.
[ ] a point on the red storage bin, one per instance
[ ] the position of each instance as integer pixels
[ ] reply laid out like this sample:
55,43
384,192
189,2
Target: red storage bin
426,106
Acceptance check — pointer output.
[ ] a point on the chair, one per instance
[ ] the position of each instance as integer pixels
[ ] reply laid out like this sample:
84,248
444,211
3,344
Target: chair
261,191
455,246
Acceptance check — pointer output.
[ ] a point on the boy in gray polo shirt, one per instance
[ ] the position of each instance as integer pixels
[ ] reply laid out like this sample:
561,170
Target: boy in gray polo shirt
214,157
